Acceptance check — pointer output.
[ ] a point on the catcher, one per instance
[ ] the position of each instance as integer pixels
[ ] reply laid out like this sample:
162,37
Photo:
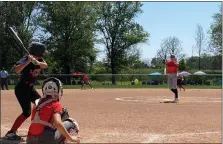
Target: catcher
50,124
29,67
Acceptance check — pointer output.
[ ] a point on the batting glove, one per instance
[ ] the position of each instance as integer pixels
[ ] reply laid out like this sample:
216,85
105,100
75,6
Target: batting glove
35,61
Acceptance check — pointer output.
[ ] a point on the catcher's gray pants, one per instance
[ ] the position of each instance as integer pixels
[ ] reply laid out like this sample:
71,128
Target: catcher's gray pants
51,136
172,81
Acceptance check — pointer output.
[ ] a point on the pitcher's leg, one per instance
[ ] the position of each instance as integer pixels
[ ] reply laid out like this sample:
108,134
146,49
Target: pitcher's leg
169,82
175,88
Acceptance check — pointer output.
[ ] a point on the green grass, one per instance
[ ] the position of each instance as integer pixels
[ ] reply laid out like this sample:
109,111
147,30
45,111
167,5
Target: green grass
125,85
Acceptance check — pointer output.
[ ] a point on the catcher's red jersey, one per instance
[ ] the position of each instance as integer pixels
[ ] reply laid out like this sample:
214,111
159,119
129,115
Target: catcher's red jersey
45,114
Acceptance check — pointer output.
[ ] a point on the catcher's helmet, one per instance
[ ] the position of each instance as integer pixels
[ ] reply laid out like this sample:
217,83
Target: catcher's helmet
37,49
52,87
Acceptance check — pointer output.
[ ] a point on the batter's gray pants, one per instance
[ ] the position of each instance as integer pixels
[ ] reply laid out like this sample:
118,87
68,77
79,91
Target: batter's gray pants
52,136
172,81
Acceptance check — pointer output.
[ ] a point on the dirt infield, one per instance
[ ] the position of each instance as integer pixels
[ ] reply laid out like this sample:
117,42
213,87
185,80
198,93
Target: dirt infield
134,115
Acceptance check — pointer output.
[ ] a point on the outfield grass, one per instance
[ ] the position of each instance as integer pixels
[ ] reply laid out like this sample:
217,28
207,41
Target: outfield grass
97,85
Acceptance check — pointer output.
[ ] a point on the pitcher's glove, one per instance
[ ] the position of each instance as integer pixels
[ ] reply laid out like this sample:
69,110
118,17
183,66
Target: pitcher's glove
64,114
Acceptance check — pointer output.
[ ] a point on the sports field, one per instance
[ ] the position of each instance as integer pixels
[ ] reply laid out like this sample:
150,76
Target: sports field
134,115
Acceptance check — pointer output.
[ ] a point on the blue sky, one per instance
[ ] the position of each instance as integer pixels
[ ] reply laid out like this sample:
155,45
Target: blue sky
164,19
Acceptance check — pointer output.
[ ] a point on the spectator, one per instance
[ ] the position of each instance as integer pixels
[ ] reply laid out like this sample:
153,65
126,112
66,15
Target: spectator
180,80
4,80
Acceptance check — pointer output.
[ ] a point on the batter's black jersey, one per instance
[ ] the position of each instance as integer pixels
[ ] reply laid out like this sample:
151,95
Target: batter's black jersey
30,72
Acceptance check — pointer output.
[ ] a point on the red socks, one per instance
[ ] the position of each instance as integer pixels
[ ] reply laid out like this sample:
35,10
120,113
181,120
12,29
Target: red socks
18,122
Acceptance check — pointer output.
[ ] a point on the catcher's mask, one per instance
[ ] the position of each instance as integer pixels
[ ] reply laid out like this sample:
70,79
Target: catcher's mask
37,49
52,87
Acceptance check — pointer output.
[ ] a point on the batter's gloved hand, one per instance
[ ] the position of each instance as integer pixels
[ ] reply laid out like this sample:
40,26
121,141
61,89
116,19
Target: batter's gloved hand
29,57
35,61
64,114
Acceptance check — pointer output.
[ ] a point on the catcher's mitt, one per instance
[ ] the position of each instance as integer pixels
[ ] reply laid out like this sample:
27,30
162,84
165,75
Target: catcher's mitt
64,114
65,117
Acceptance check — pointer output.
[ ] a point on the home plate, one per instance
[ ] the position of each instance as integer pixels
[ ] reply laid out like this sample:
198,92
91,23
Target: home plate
3,140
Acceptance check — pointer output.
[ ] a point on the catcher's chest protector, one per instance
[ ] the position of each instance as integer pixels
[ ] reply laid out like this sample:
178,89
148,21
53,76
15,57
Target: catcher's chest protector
37,117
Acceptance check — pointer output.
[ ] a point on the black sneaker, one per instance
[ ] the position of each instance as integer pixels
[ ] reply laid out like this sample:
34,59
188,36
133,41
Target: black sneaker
11,135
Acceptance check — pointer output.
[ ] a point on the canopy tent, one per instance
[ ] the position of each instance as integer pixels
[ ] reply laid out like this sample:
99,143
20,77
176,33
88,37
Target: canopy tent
184,73
199,73
155,74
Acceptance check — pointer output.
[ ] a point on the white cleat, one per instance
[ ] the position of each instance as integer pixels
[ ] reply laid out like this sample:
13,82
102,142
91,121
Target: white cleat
176,100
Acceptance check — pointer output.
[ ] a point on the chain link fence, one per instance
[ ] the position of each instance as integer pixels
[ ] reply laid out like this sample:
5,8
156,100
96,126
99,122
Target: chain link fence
125,79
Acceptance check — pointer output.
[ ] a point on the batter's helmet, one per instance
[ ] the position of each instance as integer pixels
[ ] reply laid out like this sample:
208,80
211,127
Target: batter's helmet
37,49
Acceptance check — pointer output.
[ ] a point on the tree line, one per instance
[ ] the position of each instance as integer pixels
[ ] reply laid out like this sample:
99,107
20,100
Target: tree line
72,32
207,49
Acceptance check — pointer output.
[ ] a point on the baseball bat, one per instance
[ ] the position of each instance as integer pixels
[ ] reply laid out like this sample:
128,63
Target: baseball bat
18,40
